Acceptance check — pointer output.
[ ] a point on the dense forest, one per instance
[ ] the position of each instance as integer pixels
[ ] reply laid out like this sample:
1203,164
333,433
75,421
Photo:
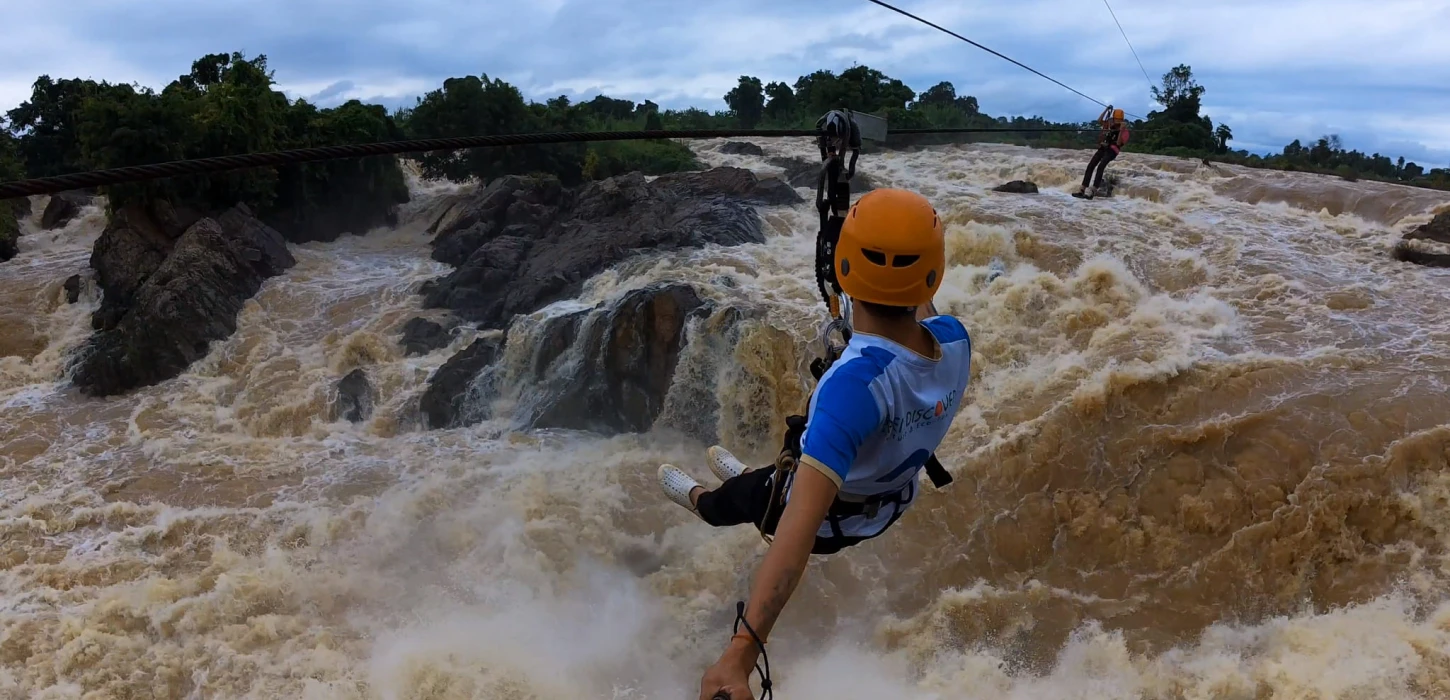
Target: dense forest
229,104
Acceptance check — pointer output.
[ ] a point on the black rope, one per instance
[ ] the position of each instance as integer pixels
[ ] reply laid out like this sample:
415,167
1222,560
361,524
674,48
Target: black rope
766,687
1032,130
136,173
938,27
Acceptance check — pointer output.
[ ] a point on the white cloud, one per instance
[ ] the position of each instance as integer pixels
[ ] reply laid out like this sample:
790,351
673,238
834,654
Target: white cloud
1275,69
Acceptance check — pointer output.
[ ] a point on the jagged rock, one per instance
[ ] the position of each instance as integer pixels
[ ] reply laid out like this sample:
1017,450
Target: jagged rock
774,191
525,242
21,207
733,183
446,402
421,336
464,228
557,337
741,148
1436,231
1405,253
354,402
134,244
629,361
182,296
63,208
1017,187
804,173
72,289
1110,183
9,230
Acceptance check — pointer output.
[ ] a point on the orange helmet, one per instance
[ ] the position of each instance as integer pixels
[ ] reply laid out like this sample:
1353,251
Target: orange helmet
1118,115
892,249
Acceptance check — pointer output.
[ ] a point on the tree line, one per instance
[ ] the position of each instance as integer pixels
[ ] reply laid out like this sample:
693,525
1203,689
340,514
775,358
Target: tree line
228,104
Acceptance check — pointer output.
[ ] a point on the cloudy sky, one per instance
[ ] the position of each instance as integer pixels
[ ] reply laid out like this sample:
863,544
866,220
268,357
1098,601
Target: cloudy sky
1376,73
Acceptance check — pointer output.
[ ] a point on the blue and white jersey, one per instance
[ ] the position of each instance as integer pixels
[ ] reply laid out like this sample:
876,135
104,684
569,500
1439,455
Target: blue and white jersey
880,411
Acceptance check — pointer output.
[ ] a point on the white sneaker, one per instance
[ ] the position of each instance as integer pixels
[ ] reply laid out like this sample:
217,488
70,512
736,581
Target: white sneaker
677,485
724,465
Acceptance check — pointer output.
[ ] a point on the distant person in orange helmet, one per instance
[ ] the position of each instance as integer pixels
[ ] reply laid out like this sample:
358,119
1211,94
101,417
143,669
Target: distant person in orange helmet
874,421
1111,140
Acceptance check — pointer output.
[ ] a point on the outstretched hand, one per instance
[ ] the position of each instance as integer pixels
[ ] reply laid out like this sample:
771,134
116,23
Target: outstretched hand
726,680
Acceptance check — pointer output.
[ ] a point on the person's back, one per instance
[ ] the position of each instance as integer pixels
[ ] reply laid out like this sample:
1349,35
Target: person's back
895,405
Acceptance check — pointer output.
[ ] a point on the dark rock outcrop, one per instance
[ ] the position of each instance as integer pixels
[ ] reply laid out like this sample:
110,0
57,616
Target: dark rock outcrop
168,299
448,400
630,354
21,208
342,214
523,243
1017,187
605,370
133,246
354,401
9,230
1436,231
72,289
741,148
63,208
804,173
421,336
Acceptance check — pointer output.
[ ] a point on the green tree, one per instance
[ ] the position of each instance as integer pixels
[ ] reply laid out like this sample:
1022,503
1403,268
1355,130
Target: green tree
608,108
338,195
1180,95
477,106
47,122
10,169
747,101
781,106
858,88
1224,135
942,94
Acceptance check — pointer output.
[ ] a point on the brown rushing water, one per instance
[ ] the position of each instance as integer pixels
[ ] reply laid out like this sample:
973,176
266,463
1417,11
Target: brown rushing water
1205,455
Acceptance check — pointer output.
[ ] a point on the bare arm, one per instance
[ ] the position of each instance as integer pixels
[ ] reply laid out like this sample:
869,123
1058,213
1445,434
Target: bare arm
785,562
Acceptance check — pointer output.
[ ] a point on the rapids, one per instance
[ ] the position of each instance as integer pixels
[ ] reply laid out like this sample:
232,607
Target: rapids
1204,455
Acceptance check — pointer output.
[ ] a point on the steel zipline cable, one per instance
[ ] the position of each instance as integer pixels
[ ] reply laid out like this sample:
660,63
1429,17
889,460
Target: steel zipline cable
1004,57
1130,45
139,173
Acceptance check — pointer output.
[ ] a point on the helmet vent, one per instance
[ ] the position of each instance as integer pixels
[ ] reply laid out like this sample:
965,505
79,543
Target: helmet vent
904,260
875,256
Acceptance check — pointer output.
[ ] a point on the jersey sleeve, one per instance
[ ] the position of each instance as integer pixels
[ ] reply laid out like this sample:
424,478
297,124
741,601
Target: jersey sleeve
843,415
947,329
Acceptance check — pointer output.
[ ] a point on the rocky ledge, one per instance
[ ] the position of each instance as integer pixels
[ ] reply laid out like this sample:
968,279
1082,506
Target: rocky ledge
605,370
172,284
1427,245
522,243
